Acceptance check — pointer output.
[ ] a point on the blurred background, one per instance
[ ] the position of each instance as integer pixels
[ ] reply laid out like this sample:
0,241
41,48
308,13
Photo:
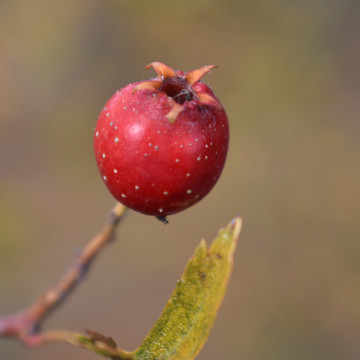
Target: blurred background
289,79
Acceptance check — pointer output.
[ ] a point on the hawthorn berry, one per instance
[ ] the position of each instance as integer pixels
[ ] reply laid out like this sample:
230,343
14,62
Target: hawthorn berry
161,144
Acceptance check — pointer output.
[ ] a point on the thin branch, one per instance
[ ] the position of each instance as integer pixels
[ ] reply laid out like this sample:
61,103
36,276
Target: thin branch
26,325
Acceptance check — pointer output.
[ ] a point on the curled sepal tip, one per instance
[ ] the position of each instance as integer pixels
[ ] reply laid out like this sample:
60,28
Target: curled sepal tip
194,76
148,85
163,71
184,326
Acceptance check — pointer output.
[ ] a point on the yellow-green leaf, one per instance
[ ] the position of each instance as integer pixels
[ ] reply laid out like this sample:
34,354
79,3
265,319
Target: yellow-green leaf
184,326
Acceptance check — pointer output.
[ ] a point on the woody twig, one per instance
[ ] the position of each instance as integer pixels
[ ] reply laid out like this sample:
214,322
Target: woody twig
26,325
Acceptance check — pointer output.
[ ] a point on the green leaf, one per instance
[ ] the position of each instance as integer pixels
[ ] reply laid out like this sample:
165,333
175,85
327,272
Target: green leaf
184,326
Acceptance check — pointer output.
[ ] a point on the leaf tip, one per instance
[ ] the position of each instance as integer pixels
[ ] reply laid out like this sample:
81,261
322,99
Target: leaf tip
235,226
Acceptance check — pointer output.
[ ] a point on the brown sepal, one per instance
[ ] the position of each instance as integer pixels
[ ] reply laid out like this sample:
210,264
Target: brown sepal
174,112
149,85
161,69
194,76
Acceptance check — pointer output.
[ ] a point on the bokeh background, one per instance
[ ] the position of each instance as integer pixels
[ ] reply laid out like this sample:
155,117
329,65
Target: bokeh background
289,79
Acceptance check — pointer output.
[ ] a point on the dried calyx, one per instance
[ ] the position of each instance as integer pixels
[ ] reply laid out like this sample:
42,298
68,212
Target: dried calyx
177,85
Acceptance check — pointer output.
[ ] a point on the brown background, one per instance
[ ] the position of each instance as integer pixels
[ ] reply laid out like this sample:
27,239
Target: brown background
289,78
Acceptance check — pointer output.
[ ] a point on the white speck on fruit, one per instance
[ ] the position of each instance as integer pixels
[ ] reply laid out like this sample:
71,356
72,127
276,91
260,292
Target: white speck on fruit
181,145
177,160
123,195
158,131
137,187
214,178
156,147
166,193
160,210
115,171
116,139
150,144
206,157
105,178
197,196
103,156
188,174
115,127
125,107
211,144
196,140
107,114
97,134
189,191
190,144
198,158
206,145
146,155
111,124
105,108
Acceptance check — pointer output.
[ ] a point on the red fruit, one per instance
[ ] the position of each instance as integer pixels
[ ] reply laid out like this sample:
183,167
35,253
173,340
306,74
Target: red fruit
161,144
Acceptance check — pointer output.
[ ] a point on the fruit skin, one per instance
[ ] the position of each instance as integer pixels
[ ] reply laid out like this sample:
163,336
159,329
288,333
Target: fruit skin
161,144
